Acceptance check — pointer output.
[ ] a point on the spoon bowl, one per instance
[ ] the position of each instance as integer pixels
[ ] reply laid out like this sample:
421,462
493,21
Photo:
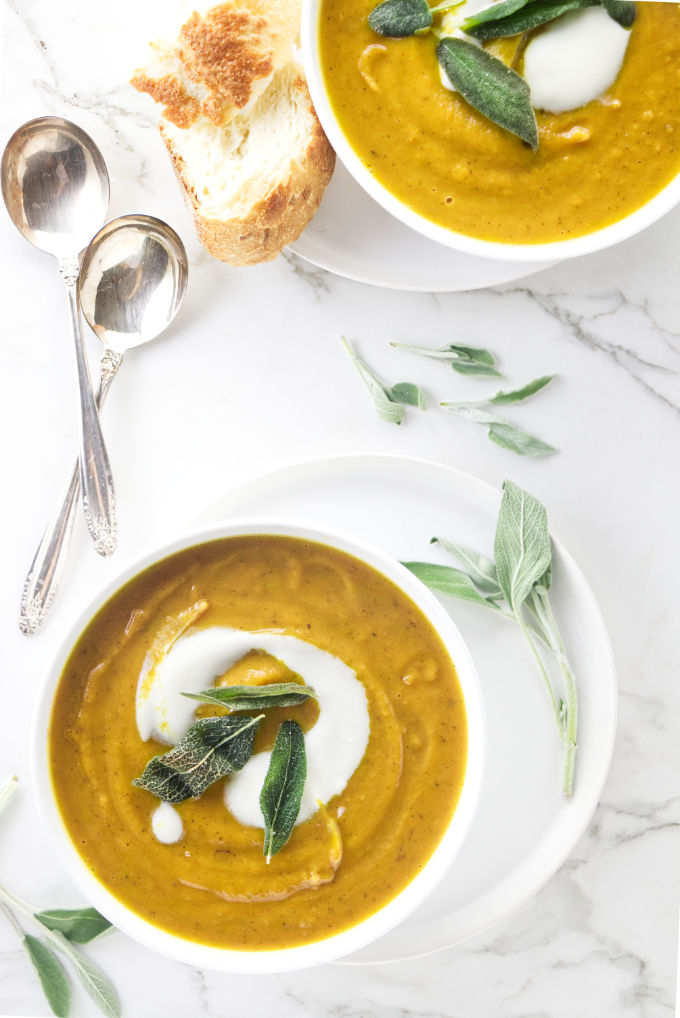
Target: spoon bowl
55,185
132,281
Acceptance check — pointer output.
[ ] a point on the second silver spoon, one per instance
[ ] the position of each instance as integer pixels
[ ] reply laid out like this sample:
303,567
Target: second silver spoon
132,281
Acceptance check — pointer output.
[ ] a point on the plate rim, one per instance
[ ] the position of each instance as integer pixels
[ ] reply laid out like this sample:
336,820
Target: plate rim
488,494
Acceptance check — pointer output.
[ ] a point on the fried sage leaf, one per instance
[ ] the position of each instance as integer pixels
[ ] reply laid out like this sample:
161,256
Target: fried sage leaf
275,694
283,786
622,11
79,925
51,974
211,749
397,19
496,91
485,26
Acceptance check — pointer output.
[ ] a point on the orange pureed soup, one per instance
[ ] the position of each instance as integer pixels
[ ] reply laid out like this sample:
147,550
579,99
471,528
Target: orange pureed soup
351,857
445,161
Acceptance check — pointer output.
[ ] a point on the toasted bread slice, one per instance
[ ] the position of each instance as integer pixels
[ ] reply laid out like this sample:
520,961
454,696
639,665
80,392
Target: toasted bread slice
240,128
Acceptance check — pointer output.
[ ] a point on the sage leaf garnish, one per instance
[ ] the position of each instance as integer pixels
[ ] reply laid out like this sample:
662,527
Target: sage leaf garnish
466,360
482,570
517,395
523,567
211,749
274,694
492,88
283,786
51,974
95,982
398,19
389,400
501,431
79,925
529,16
407,394
507,436
622,11
446,580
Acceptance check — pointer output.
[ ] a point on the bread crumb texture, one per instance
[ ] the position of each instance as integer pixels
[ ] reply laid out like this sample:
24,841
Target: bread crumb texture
239,125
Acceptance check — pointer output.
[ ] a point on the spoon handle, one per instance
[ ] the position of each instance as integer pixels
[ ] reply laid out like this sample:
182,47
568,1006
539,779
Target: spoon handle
48,562
95,471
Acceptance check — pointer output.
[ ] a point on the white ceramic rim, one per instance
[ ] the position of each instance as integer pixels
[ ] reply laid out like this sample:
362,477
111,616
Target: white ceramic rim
573,247
340,944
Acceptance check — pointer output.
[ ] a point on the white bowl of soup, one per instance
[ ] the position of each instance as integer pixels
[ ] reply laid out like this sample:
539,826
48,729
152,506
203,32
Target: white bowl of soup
602,171
393,735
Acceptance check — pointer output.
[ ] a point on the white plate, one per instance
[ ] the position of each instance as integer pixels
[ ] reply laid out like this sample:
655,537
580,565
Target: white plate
525,829
355,237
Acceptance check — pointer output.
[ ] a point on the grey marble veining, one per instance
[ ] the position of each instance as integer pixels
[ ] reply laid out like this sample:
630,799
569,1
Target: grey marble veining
252,375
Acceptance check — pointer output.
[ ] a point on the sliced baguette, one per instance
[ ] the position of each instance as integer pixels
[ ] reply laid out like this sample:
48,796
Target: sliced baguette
238,123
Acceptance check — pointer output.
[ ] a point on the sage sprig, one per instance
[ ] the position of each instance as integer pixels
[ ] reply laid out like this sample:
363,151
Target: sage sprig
274,694
61,928
490,87
211,749
516,586
466,360
499,430
513,17
283,786
389,401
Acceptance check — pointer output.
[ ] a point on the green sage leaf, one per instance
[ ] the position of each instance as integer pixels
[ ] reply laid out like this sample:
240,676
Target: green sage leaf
517,395
407,394
51,974
283,786
529,16
387,408
522,544
620,10
449,581
96,983
398,19
80,925
275,694
211,749
495,12
466,360
482,570
518,441
493,89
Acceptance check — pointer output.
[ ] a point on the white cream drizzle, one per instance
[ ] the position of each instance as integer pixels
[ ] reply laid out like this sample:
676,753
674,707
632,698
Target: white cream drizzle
166,824
334,745
570,63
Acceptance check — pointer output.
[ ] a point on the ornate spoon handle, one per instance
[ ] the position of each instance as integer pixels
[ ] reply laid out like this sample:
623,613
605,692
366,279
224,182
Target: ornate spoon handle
48,563
95,471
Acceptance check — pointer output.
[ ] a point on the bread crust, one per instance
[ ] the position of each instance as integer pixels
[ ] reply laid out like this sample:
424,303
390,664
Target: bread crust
217,74
278,217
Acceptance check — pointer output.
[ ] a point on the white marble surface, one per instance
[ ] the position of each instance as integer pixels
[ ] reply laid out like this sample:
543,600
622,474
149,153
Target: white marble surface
252,375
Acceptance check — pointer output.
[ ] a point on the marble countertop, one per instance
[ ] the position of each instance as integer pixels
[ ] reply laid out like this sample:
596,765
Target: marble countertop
252,375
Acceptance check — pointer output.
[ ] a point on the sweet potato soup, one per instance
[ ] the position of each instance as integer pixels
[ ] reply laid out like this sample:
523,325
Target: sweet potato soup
351,856
429,148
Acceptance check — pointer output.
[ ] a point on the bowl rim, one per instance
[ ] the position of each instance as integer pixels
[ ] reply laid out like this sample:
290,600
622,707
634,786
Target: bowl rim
588,243
346,941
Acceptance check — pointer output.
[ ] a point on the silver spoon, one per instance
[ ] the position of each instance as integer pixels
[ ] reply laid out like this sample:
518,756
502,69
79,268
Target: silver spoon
56,190
132,282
